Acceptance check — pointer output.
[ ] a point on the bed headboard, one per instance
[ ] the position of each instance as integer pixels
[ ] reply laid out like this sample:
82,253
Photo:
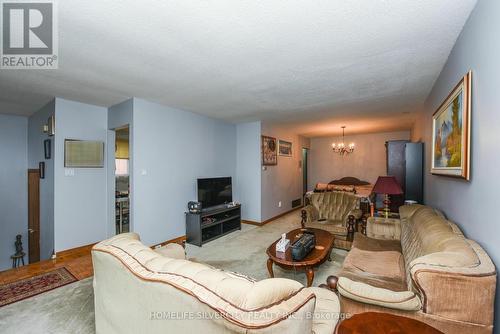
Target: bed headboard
349,181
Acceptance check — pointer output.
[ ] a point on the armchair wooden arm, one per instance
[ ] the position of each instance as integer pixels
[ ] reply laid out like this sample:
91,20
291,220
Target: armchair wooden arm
351,223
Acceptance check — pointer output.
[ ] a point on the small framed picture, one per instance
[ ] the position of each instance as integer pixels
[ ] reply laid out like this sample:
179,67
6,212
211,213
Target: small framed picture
47,148
51,125
269,151
41,169
285,148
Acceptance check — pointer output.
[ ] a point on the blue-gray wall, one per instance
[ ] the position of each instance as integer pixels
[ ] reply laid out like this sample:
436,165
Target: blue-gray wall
80,200
121,114
13,185
473,204
248,170
36,137
282,182
172,148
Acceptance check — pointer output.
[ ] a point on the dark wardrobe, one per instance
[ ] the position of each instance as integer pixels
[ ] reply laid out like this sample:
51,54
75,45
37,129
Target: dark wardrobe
405,162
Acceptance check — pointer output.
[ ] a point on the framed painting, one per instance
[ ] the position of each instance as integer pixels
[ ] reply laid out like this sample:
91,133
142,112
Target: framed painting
451,125
46,148
269,151
285,148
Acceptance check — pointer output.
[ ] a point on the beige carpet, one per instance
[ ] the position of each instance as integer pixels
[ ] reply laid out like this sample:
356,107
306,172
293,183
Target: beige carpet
245,251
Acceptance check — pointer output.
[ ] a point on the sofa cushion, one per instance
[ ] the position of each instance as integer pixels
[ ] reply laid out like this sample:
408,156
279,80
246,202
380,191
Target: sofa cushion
365,293
428,237
381,264
381,258
328,311
332,226
406,211
269,291
455,228
375,245
172,250
376,262
374,272
383,228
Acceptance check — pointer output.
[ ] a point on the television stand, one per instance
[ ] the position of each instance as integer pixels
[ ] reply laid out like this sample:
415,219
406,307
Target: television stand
212,223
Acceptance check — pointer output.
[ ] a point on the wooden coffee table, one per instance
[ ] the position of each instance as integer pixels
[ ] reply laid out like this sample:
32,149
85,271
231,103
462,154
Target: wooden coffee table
321,253
382,323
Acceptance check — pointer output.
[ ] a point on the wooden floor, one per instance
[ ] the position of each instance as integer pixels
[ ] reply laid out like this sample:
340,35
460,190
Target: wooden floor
77,261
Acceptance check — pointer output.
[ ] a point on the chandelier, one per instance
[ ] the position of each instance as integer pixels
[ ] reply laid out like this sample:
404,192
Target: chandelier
341,148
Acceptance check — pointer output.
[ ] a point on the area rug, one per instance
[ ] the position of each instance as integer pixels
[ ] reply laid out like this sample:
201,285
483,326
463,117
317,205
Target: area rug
29,287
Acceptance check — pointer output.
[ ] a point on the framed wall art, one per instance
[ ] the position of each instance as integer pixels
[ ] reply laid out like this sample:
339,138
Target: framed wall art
451,131
41,169
285,148
47,149
269,151
83,153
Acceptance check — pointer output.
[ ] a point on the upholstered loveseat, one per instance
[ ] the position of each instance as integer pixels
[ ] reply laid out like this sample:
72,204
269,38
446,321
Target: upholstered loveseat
422,267
140,290
334,211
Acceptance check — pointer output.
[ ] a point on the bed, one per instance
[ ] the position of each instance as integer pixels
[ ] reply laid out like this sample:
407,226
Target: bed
362,189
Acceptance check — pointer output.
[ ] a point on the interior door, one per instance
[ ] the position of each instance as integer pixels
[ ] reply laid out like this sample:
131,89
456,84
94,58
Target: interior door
33,215
305,158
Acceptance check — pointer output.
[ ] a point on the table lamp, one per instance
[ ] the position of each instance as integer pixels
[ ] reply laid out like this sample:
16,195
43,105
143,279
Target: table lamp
387,185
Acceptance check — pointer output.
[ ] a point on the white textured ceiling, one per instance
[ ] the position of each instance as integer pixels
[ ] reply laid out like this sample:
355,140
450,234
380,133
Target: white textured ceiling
313,65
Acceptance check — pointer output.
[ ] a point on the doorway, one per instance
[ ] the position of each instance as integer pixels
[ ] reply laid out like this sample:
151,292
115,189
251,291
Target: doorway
122,180
305,163
33,215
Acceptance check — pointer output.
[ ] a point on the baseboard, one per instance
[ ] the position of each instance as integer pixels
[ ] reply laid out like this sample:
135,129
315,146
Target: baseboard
72,251
250,222
179,240
281,215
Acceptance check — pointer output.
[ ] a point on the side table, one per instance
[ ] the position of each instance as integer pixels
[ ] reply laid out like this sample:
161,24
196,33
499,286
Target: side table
383,323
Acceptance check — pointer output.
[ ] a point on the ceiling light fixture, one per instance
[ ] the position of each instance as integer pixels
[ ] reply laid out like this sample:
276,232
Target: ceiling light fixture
340,148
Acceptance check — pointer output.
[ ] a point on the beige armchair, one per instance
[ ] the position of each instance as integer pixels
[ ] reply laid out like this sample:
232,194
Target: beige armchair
140,290
335,212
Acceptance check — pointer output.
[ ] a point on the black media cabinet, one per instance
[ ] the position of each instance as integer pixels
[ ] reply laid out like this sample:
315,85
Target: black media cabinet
211,224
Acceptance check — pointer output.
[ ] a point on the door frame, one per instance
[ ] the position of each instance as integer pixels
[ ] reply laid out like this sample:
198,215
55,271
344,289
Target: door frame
111,185
305,169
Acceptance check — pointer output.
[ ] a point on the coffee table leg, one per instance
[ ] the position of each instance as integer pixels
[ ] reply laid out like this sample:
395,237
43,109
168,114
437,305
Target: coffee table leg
310,276
270,267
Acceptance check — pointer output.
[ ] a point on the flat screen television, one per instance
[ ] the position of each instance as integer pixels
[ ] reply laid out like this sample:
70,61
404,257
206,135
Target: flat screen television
214,191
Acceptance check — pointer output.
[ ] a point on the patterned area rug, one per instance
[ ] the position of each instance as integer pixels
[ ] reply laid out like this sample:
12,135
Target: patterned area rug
19,290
